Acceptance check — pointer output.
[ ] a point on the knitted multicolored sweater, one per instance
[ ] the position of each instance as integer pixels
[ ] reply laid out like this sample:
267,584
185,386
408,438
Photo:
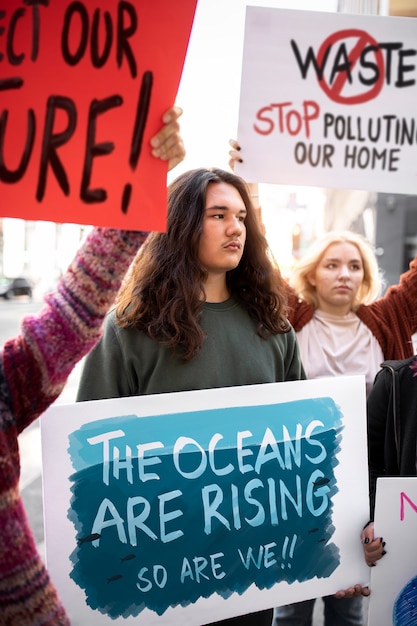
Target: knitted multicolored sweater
34,368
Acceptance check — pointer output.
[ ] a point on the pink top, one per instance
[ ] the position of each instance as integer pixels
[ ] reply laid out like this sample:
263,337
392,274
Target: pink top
331,345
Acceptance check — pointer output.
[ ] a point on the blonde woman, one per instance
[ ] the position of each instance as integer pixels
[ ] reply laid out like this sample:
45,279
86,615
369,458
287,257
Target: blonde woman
344,328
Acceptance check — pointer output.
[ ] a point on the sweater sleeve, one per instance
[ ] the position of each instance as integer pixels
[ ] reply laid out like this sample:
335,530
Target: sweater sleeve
299,312
405,294
39,360
379,401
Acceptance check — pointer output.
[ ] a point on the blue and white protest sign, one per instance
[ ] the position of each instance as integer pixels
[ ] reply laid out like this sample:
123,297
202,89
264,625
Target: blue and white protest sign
162,509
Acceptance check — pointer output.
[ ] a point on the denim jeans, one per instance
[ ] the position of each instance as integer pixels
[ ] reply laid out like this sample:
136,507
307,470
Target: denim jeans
343,612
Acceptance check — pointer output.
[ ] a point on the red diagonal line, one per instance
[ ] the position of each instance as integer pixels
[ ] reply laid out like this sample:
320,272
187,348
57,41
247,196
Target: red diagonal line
353,56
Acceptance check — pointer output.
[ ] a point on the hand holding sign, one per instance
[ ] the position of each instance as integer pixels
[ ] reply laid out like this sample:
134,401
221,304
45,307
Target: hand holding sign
373,547
168,144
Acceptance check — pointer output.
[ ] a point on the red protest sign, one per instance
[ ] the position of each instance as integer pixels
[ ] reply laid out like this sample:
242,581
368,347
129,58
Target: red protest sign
83,88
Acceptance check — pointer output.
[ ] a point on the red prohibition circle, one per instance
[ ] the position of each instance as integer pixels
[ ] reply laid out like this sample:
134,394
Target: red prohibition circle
334,91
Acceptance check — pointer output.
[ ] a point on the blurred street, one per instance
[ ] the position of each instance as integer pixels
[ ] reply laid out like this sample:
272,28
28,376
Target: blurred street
11,313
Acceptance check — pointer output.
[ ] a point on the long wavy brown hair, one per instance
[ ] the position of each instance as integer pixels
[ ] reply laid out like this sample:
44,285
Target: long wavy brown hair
162,295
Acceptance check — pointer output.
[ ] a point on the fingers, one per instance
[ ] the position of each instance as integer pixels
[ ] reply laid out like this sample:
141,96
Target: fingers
234,158
234,154
373,547
170,147
172,114
170,126
176,157
374,551
167,144
353,592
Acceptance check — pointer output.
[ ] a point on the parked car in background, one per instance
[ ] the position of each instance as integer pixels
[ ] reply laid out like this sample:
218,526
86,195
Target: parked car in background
12,287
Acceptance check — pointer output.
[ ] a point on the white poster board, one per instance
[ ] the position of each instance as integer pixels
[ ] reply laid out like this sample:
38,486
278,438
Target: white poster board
329,99
393,600
161,509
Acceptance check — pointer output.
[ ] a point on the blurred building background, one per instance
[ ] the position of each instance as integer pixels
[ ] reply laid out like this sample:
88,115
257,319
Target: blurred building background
293,216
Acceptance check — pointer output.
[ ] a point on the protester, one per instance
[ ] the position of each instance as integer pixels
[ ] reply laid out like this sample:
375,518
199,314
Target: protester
203,307
392,436
343,328
34,368
334,285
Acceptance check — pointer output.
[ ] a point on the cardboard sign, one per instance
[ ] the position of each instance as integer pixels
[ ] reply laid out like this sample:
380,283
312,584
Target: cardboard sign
393,600
161,509
329,100
83,89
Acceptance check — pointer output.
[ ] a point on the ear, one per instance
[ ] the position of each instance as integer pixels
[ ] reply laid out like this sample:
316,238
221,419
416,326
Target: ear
311,279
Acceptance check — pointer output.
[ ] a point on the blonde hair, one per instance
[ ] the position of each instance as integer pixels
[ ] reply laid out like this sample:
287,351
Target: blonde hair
372,283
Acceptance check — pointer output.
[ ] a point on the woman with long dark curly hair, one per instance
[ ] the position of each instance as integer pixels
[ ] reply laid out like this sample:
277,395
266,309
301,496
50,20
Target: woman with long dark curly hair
165,294
202,307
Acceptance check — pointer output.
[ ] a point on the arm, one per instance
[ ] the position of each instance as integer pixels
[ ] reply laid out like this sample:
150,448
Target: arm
377,409
406,293
393,320
36,363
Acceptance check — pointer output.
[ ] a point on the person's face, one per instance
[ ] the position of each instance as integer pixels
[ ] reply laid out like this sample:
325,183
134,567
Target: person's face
338,277
224,233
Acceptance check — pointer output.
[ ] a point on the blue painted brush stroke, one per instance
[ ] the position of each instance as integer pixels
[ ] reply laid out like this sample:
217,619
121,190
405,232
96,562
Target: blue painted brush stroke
405,606
263,524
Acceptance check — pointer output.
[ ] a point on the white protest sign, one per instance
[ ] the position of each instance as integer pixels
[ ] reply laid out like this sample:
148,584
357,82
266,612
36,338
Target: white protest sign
393,600
161,509
329,99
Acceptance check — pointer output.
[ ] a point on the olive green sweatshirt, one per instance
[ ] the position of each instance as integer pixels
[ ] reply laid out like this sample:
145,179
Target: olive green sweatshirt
126,362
